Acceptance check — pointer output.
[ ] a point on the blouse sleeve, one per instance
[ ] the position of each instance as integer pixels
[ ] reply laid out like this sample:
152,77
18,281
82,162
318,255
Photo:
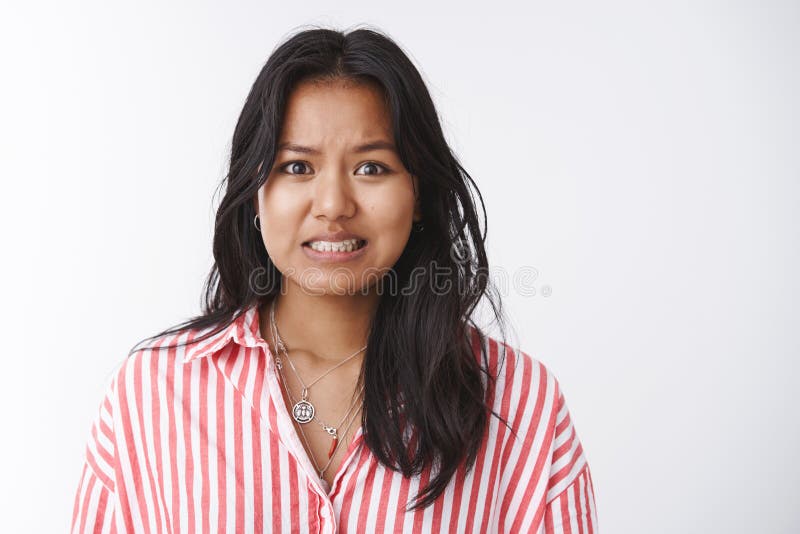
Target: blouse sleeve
570,505
545,486
93,509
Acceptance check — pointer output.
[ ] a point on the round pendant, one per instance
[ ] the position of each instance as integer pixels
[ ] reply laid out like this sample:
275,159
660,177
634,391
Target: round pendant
303,411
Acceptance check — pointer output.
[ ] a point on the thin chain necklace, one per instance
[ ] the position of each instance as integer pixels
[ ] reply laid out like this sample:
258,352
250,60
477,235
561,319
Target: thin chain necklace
303,410
333,431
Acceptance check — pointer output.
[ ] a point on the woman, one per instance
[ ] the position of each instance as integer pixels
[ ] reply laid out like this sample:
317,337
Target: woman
335,381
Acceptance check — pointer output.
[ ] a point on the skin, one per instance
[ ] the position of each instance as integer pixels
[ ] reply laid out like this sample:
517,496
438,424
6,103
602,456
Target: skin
325,317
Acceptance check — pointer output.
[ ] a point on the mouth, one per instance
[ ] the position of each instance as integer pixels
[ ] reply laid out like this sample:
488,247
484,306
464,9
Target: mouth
335,250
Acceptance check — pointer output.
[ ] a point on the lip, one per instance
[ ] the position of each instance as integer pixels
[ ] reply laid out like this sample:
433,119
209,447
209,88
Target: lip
333,256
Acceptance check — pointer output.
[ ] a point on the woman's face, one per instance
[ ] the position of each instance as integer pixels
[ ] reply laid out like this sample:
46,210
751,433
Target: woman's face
336,171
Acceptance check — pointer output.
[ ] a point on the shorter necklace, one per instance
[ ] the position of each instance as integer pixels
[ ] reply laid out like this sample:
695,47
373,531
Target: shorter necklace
302,411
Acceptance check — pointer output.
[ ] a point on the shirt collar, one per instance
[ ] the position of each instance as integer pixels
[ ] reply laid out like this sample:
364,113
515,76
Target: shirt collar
244,330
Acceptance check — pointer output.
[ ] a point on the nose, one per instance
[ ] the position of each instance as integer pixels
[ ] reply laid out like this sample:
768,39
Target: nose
332,197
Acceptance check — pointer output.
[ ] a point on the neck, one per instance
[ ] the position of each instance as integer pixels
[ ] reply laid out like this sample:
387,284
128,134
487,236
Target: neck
323,328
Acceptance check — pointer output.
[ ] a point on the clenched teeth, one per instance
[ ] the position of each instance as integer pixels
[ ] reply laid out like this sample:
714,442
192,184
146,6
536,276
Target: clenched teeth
348,245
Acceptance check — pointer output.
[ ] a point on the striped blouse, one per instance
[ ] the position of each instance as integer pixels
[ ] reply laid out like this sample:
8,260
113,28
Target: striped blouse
198,439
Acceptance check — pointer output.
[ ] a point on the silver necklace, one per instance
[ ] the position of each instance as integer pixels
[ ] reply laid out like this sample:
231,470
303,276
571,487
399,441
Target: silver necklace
336,442
302,410
332,431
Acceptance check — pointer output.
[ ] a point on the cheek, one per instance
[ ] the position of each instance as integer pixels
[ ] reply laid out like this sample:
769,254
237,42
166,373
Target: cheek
280,223
391,218
393,204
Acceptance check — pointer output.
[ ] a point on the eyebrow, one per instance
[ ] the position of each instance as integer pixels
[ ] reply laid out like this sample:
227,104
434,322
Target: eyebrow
366,147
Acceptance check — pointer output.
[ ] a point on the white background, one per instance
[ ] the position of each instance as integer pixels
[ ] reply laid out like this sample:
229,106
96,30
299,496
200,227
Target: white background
641,156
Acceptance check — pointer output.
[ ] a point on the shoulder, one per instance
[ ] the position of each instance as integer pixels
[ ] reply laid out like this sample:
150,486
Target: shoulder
151,360
522,388
524,391
529,397
127,395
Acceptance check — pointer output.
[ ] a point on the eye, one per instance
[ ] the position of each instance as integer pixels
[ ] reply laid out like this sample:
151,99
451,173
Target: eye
375,166
294,166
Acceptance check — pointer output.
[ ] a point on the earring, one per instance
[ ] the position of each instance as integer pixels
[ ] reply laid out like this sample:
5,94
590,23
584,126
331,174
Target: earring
257,223
418,227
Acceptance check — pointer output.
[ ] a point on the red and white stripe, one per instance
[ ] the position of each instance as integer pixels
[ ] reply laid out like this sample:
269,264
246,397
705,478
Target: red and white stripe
199,440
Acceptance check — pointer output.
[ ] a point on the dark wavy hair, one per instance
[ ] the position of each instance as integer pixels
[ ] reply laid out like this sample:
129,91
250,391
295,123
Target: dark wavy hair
419,354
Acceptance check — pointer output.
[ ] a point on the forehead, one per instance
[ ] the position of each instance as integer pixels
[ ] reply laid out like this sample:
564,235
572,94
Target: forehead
317,112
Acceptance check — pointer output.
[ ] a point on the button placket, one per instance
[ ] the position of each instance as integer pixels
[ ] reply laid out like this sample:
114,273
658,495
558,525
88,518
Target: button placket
327,517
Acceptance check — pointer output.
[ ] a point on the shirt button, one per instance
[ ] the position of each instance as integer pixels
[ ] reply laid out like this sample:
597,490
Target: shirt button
325,513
